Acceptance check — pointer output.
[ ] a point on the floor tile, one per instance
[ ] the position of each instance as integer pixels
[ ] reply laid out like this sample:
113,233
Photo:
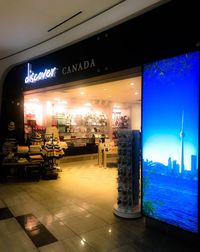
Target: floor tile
17,242
125,248
106,215
84,223
5,213
107,238
2,204
71,245
44,216
135,226
67,211
90,207
153,241
77,210
60,230
9,226
36,231
101,239
21,209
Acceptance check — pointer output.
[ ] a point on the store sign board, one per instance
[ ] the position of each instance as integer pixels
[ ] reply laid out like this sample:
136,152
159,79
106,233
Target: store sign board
35,77
78,67
170,135
66,70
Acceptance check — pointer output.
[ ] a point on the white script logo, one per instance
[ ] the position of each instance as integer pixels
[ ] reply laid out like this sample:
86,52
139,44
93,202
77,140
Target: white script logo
34,77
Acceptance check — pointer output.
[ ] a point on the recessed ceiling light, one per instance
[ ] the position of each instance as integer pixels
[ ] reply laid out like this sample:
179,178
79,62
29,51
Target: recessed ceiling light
88,104
34,100
63,102
116,106
136,93
132,84
105,89
82,93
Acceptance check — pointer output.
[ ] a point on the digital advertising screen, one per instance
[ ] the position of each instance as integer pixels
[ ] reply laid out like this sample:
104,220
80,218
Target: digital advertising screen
170,135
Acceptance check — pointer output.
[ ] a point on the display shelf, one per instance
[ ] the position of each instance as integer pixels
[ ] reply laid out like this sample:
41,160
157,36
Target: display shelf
128,201
79,141
81,130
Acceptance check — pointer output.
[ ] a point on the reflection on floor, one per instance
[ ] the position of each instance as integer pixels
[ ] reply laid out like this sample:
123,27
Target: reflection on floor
74,213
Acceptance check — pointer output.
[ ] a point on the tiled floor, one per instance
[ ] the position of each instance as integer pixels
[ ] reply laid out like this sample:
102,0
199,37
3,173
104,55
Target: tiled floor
74,213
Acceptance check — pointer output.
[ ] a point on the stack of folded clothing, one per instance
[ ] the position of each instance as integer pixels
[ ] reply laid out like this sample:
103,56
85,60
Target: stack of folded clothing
36,139
53,150
22,160
22,149
9,145
35,149
35,157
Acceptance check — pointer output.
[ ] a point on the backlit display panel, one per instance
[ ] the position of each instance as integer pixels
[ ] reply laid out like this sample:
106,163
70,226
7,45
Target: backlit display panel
170,141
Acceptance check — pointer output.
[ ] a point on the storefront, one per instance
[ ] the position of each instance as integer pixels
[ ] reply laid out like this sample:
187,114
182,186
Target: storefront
70,88
86,113
113,55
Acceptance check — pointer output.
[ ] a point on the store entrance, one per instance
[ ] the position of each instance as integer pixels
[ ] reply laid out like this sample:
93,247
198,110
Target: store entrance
85,114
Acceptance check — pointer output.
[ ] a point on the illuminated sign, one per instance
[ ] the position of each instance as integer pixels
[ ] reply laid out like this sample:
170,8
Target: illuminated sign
35,77
170,141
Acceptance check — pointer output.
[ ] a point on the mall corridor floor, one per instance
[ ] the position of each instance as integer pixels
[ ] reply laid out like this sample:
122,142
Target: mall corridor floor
74,213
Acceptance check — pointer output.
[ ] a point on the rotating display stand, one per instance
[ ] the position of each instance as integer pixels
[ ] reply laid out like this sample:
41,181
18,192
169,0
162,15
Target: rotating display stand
128,202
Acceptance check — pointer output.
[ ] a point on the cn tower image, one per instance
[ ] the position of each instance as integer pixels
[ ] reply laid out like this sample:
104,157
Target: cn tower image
182,135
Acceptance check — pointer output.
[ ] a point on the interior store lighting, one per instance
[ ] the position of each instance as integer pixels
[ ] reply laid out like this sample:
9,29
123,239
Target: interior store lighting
88,104
49,108
62,102
59,108
81,111
36,109
34,100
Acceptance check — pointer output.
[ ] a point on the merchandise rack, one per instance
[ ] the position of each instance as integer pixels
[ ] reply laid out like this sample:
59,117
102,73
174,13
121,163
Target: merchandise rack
128,201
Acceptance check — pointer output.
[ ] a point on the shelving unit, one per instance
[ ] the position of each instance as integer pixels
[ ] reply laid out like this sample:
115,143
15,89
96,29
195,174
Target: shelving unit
128,201
78,131
119,121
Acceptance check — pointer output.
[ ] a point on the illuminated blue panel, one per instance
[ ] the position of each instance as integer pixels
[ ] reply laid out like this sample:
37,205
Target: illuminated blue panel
170,141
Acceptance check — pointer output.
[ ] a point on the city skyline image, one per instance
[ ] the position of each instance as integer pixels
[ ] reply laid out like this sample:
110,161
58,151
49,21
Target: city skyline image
173,91
182,135
170,133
